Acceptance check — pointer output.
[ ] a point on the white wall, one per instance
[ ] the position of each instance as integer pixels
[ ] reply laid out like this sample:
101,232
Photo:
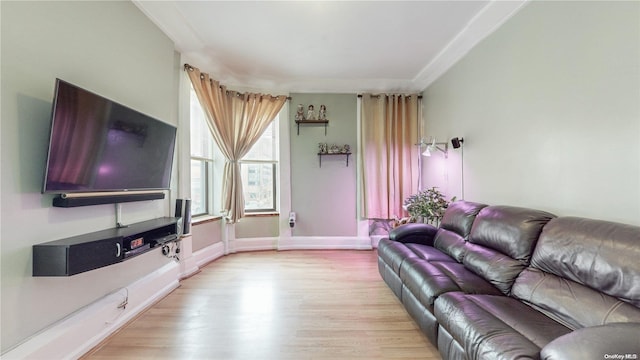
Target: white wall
324,198
112,49
549,107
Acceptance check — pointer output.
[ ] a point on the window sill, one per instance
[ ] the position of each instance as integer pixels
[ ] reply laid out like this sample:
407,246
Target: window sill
261,214
204,219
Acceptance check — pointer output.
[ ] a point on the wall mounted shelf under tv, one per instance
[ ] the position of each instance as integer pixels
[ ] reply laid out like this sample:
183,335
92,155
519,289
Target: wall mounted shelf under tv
77,254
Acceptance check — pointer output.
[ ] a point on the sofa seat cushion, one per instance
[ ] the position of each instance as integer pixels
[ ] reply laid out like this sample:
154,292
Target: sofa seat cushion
495,326
429,253
427,280
394,253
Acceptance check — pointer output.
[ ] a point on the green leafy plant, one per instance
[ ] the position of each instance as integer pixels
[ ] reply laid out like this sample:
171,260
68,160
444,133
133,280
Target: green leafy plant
429,205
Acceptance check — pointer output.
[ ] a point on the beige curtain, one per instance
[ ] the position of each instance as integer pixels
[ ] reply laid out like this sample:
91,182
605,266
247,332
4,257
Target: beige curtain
389,134
236,122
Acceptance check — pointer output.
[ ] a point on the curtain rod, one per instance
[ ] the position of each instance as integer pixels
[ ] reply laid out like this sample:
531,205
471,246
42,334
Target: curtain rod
188,67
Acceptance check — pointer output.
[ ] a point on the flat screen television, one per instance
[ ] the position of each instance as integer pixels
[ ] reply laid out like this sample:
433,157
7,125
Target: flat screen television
98,145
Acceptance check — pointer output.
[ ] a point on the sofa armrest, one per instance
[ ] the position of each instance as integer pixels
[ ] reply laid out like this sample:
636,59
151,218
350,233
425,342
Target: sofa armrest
596,342
416,233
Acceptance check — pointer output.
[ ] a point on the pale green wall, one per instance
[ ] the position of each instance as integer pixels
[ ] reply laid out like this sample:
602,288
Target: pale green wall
549,106
258,227
112,49
206,234
324,198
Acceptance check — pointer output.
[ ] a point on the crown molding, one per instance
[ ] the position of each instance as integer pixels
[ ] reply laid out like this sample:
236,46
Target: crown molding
193,50
489,19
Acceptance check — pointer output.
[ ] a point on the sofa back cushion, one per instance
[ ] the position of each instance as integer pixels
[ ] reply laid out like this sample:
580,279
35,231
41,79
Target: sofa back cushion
572,304
501,241
584,272
459,217
455,228
600,254
588,265
451,244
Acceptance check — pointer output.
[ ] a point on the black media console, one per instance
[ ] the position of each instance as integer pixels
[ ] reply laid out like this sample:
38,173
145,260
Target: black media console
70,256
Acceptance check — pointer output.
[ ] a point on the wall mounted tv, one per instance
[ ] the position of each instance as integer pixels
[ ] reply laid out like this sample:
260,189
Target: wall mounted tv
99,146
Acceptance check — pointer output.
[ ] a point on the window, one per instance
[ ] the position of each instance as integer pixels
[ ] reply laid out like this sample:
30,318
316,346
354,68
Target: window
202,160
258,167
259,172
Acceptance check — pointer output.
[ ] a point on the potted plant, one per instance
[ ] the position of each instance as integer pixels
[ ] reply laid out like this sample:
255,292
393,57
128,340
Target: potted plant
427,205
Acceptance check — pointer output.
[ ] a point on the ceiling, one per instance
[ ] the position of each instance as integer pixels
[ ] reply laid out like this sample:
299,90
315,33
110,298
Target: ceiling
327,46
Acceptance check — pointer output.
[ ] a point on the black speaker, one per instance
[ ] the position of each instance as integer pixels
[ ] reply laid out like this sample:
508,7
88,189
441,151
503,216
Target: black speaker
66,202
183,211
186,228
179,205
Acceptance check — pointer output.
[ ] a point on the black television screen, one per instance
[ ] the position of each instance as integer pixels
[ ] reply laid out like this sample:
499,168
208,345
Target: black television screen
98,145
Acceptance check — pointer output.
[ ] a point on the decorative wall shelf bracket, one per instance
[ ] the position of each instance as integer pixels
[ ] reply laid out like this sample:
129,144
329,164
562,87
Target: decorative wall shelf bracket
320,155
312,122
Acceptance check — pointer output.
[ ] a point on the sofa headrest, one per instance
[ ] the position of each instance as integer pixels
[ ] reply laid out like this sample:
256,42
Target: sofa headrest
600,254
510,230
459,217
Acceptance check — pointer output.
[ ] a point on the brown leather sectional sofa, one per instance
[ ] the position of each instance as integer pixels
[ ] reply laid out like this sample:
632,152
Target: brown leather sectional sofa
502,282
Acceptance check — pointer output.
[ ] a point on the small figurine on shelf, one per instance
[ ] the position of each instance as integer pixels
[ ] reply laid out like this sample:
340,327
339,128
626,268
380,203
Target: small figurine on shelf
323,113
346,149
310,113
322,148
334,149
300,113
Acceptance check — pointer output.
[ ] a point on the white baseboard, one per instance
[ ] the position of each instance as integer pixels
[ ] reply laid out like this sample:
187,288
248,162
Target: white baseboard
324,243
209,254
188,264
78,333
375,239
253,244
300,243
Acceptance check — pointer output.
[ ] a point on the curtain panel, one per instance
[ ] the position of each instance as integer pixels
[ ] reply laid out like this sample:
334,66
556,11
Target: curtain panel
236,121
389,165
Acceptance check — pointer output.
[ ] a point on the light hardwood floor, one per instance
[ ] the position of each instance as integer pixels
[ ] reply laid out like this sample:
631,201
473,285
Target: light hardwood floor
276,305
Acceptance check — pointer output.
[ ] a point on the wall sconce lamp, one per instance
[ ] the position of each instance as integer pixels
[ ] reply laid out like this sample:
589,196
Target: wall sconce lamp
456,142
434,147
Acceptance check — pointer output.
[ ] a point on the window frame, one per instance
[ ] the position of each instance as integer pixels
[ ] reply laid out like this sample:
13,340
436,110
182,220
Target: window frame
208,161
207,185
275,126
274,175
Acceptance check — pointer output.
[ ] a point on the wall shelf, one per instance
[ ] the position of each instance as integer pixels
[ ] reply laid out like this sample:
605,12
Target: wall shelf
320,155
77,254
313,122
